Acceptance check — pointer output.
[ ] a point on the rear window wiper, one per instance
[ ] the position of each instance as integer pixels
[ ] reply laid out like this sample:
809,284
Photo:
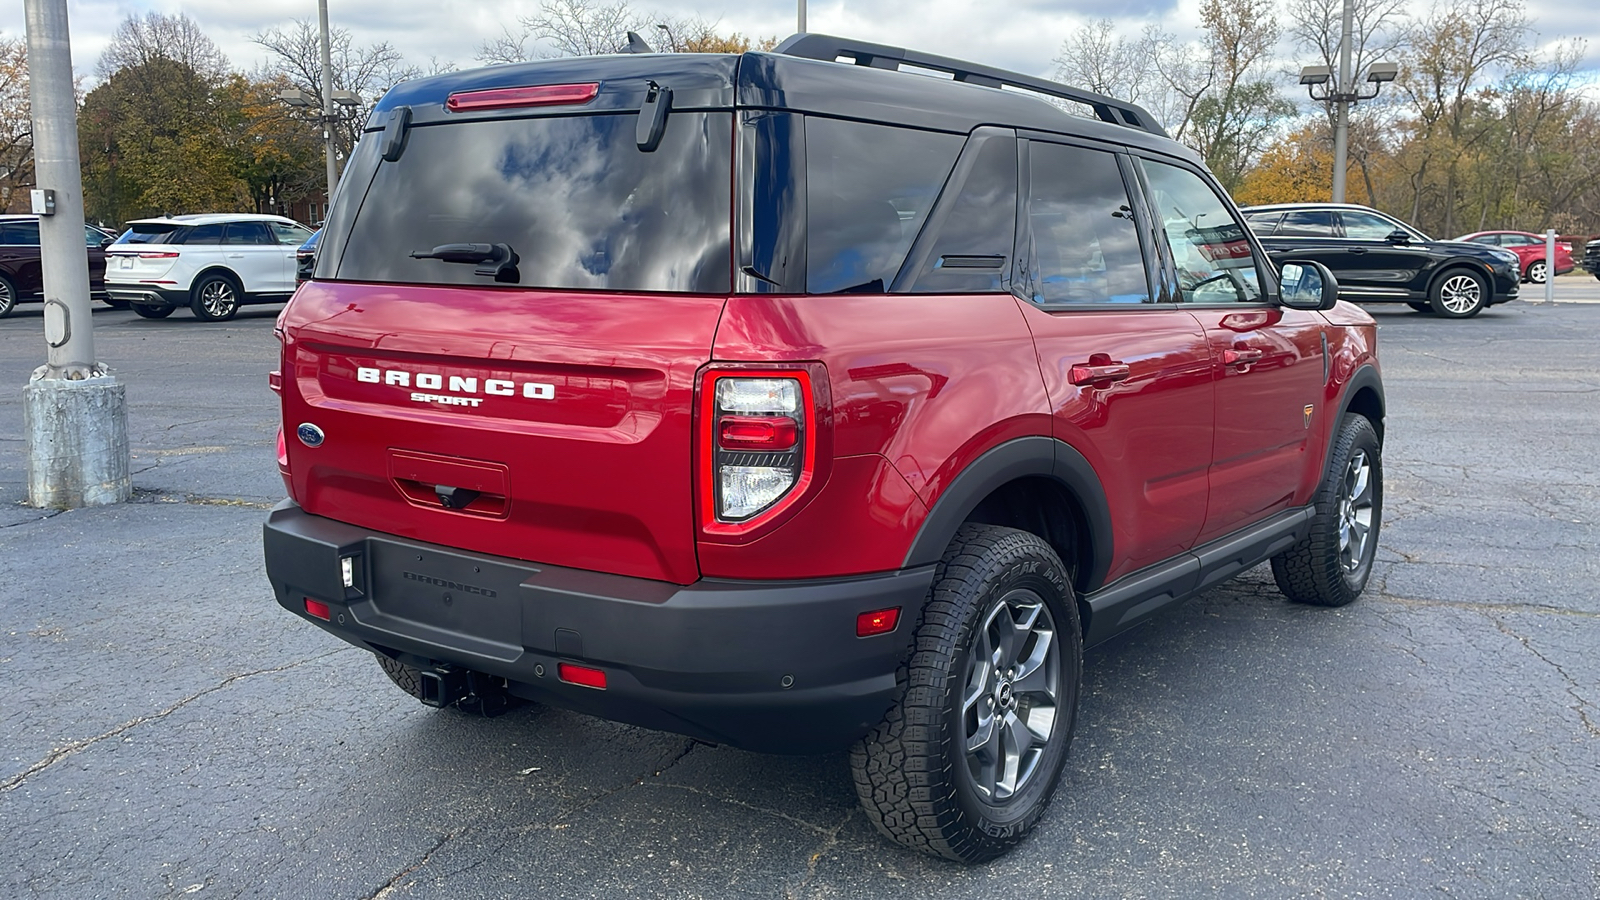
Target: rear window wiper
498,261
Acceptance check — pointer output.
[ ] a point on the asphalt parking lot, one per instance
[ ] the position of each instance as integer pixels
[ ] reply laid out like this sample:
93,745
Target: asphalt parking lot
169,731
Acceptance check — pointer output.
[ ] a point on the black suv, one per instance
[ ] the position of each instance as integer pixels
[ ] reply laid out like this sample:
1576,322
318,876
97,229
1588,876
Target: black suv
21,275
1591,258
1380,259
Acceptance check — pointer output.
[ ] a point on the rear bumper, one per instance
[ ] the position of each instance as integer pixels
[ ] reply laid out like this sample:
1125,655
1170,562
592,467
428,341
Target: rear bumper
710,660
147,295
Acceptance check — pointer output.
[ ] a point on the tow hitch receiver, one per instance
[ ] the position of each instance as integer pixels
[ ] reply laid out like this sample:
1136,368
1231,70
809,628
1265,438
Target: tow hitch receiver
468,690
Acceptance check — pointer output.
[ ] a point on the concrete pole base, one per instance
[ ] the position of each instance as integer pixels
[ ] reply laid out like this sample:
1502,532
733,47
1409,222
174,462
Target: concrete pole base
77,436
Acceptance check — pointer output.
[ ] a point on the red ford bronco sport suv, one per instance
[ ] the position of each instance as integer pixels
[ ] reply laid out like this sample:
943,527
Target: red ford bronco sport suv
795,404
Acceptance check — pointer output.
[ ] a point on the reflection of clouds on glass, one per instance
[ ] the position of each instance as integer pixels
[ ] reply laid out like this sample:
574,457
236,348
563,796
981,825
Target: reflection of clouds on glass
577,200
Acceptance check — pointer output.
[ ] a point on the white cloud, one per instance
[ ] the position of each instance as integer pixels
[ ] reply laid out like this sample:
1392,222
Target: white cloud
1024,35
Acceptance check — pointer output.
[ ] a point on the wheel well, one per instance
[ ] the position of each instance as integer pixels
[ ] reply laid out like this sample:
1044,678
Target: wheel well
1042,506
224,271
1367,403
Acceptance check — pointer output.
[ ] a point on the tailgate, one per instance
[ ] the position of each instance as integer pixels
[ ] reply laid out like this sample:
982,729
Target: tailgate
546,426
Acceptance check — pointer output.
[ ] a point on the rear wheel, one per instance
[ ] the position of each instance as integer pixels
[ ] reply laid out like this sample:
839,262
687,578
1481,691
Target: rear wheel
8,297
151,311
966,760
1330,566
1460,294
214,298
1537,271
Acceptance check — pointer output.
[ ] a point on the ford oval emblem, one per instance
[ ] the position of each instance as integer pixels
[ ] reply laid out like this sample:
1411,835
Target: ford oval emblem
309,434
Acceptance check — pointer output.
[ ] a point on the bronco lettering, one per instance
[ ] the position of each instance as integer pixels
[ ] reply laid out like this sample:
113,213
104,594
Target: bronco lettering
449,585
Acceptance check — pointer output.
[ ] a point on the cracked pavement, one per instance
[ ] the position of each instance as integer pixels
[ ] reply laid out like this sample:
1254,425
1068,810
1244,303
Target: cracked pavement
169,731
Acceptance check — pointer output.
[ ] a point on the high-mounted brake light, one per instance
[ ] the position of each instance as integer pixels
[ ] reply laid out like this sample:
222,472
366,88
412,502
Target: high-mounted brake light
534,95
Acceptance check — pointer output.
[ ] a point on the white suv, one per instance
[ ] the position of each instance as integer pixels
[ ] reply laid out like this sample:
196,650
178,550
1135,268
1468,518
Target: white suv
209,263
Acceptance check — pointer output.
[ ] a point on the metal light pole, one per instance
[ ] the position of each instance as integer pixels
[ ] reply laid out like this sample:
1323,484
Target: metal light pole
801,16
1341,114
1343,94
329,117
75,413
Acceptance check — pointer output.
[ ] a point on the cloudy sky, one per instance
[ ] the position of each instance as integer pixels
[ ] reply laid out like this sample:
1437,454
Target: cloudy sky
1023,35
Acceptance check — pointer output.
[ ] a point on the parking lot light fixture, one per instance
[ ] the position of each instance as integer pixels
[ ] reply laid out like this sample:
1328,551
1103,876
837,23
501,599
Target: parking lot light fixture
1343,93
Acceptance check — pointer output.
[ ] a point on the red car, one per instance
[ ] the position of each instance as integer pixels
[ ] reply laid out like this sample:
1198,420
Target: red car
1529,248
795,405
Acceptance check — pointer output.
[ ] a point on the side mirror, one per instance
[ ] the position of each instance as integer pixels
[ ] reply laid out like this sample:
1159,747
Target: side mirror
1398,236
106,242
1307,285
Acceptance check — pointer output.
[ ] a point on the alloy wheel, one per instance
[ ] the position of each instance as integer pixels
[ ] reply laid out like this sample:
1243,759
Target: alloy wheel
1461,294
217,298
1355,511
1536,271
1011,696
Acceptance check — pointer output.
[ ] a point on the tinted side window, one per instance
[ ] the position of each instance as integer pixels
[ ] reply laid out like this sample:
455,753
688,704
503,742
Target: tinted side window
1209,248
868,191
1263,224
20,232
972,251
293,235
1085,243
203,234
1366,226
1314,223
247,233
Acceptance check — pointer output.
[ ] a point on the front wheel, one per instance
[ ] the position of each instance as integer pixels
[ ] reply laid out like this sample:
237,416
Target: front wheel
1460,294
1330,566
214,298
1537,271
964,763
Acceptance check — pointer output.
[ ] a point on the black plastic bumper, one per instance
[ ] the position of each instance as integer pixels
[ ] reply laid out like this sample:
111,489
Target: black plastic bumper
147,295
768,666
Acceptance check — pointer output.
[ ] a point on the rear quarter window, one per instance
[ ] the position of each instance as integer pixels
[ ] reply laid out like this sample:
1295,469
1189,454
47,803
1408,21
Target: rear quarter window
868,192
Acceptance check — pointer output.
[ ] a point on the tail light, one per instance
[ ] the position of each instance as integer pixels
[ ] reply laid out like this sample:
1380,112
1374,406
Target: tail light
759,442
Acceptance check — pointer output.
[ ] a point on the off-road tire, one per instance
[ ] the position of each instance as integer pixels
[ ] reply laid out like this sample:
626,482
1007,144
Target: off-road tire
1451,298
151,311
215,298
1314,571
8,297
912,771
406,678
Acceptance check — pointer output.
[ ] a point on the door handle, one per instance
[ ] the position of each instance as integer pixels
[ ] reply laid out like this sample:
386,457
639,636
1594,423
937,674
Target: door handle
1242,356
1358,250
1091,374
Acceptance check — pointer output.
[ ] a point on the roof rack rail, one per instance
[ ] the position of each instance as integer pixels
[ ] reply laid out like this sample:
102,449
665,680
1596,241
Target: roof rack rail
882,56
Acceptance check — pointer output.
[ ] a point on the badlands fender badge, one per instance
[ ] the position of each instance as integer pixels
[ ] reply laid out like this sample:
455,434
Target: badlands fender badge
309,434
1308,410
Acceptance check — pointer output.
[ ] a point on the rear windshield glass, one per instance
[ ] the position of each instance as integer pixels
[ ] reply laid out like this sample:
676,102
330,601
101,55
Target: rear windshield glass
147,234
574,197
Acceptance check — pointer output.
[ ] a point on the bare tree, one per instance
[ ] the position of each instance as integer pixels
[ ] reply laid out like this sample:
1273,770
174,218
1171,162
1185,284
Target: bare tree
1099,59
1377,32
568,28
369,71
16,122
1456,50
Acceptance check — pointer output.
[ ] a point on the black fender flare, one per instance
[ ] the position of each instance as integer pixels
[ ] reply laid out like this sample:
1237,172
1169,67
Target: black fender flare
1036,456
1365,377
